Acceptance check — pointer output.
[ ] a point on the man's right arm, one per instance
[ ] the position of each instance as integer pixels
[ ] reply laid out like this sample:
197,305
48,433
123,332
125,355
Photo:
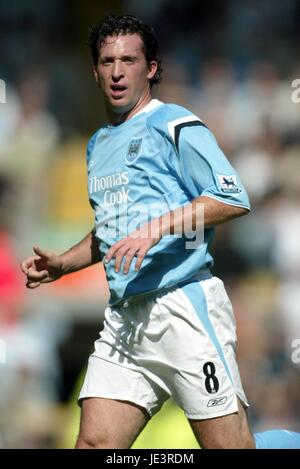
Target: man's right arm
82,255
47,267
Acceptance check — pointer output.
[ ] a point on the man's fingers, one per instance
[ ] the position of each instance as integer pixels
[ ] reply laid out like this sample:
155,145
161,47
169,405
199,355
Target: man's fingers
34,275
119,258
124,248
32,285
110,253
121,250
114,248
140,258
118,251
42,252
129,256
25,265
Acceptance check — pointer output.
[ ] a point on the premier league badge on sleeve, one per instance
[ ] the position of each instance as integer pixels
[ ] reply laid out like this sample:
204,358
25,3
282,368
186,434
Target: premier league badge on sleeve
134,149
228,184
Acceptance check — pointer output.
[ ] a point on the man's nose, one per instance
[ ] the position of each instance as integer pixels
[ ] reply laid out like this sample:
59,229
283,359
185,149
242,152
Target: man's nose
117,71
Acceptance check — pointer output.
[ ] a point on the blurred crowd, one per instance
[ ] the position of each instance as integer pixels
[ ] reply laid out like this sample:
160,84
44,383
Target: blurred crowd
246,101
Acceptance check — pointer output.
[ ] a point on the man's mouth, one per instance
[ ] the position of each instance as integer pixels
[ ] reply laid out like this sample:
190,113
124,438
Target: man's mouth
118,91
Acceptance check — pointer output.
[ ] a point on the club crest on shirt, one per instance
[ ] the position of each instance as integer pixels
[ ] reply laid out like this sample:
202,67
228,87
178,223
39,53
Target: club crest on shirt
134,149
228,183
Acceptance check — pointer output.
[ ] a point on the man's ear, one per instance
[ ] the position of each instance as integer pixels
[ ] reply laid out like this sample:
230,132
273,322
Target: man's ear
95,74
152,69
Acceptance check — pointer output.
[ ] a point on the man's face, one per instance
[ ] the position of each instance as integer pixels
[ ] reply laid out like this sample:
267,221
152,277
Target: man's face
123,73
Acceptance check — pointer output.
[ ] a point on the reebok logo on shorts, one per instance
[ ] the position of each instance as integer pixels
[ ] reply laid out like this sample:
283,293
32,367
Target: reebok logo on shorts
217,401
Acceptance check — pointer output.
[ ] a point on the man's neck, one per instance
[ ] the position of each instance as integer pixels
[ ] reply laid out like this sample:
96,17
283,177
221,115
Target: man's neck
117,119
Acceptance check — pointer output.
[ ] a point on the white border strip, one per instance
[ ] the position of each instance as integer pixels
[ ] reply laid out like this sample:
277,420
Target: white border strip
182,120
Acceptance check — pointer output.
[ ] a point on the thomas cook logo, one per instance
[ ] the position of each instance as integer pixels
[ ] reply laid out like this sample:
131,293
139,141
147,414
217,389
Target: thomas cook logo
134,149
228,183
217,401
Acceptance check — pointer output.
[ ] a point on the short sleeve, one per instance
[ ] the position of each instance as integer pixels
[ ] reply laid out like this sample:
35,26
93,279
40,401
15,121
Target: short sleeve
204,168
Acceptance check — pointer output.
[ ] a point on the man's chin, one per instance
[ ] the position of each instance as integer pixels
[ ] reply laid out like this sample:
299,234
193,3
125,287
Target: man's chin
119,106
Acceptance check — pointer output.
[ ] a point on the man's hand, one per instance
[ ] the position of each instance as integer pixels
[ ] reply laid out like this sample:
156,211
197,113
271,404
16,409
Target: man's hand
43,268
136,244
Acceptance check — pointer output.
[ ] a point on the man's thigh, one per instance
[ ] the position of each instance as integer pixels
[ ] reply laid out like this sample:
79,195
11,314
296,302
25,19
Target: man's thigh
107,423
228,432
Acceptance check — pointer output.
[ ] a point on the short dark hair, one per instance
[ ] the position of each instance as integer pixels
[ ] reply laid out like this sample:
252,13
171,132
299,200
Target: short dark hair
114,25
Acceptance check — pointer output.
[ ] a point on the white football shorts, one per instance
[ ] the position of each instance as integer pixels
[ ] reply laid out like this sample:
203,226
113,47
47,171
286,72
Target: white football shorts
180,343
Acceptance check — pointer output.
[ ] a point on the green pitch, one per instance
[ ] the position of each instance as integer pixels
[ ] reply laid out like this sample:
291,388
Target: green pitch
167,429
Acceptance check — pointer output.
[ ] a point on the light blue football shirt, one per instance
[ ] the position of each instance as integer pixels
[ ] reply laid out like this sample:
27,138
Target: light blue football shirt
160,159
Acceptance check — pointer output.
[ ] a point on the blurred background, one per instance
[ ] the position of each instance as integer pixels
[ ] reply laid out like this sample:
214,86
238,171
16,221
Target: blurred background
232,63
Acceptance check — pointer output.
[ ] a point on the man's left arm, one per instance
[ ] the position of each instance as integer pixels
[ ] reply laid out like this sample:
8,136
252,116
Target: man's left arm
214,188
202,212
